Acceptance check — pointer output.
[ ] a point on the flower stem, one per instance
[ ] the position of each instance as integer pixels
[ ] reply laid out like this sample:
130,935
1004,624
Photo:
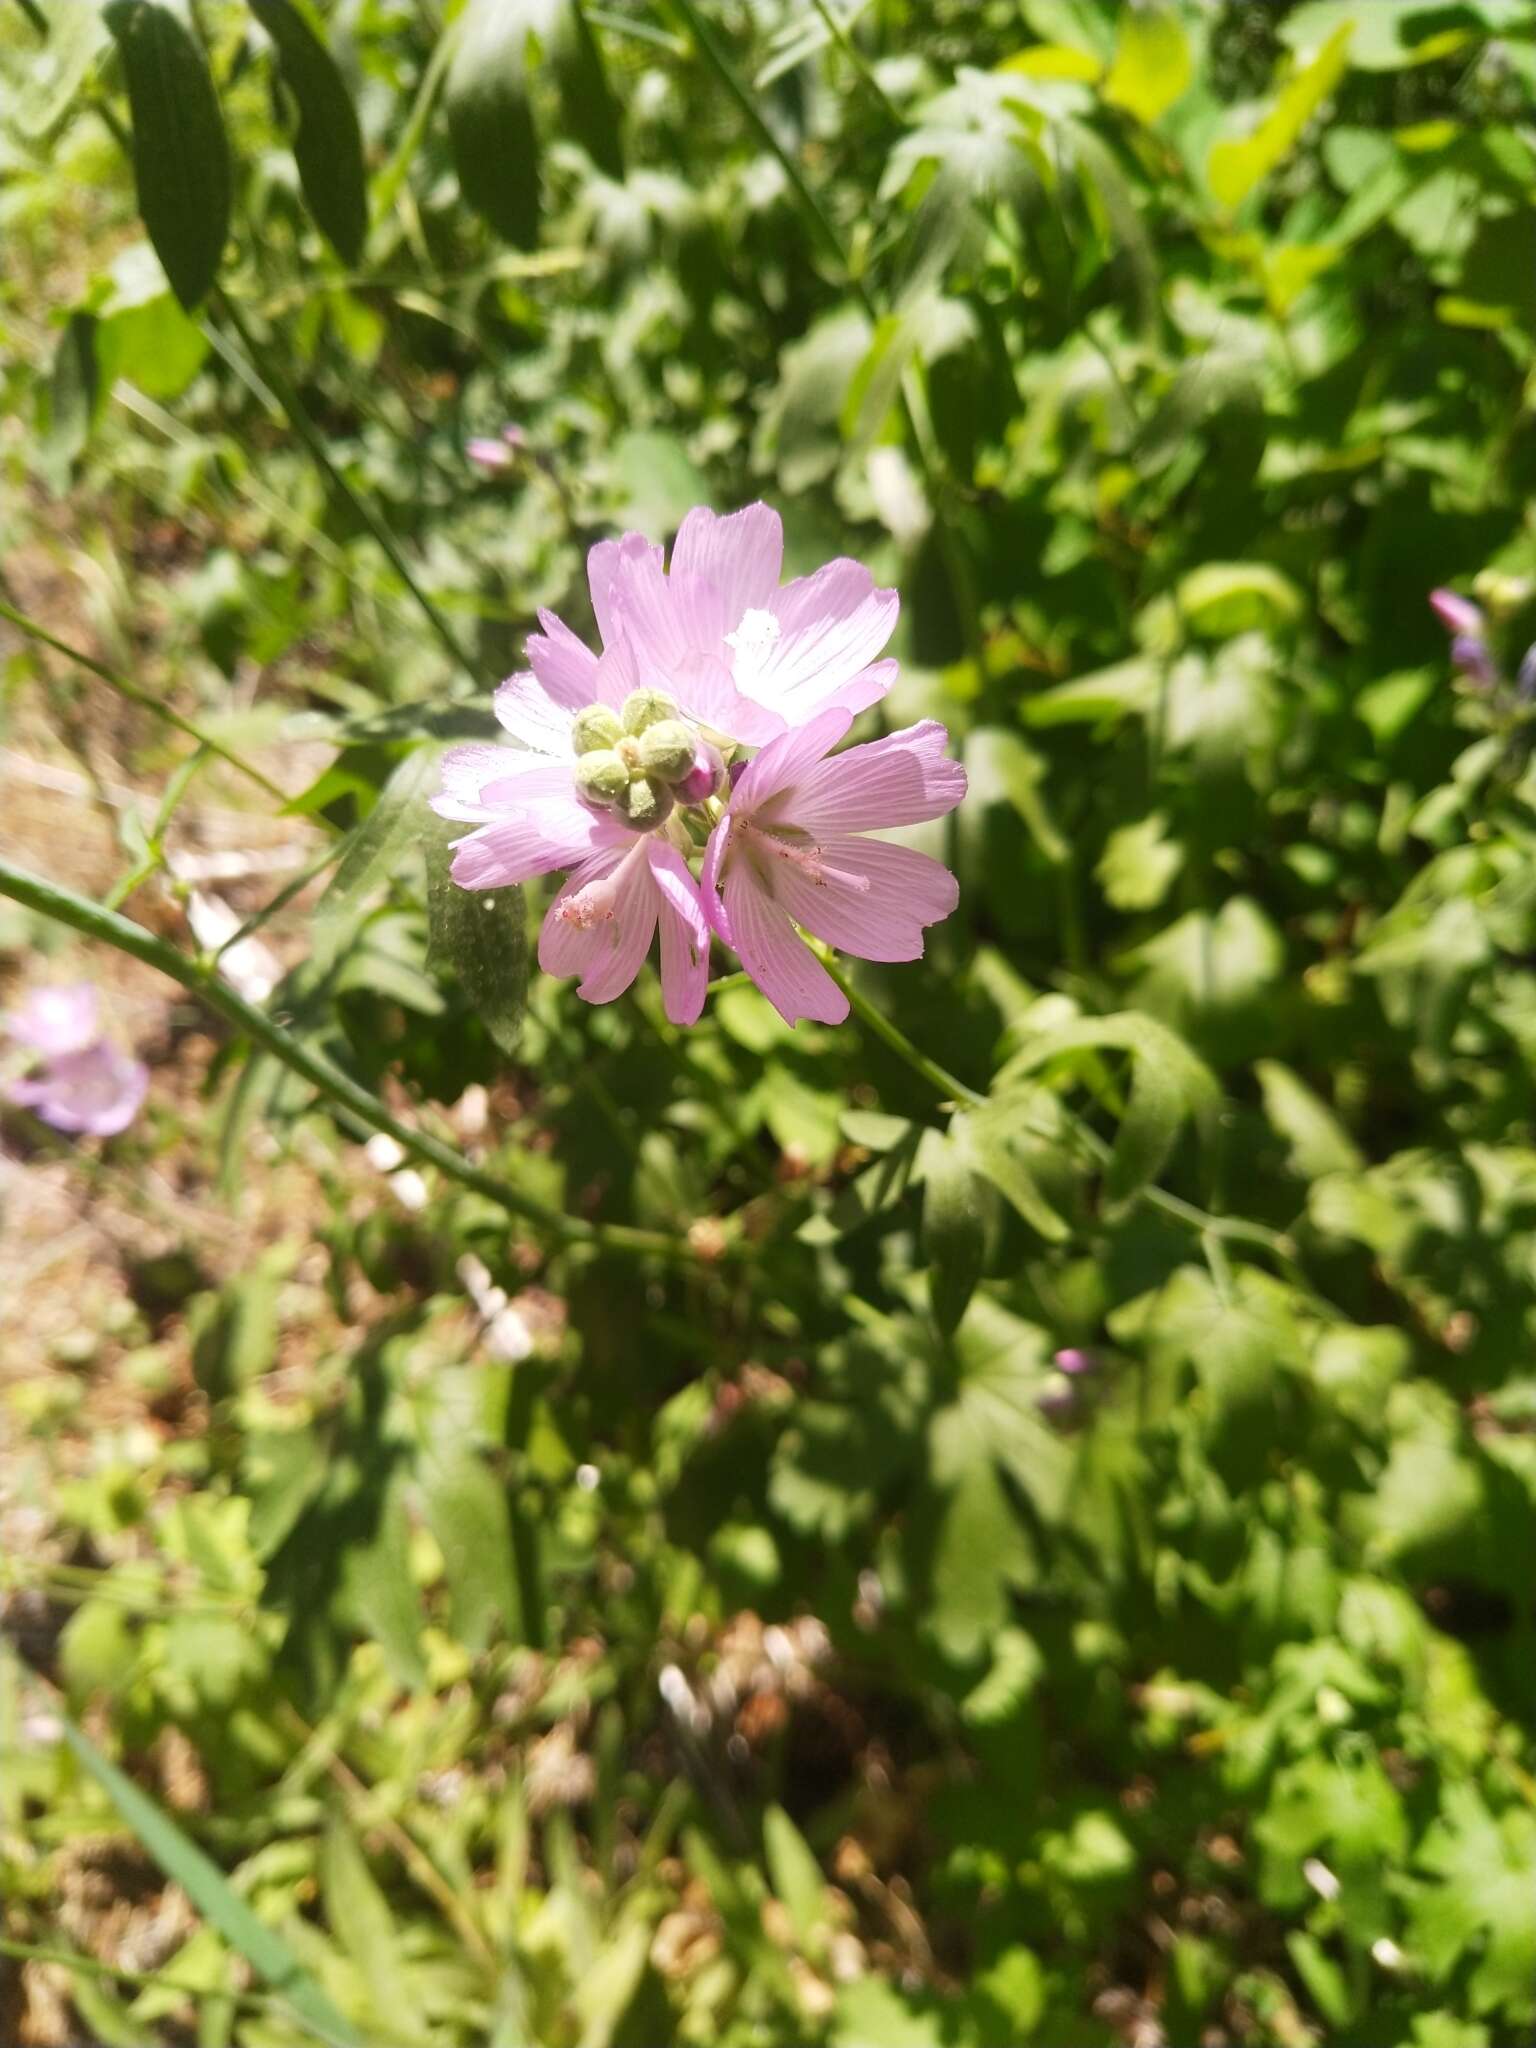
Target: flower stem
937,1077
135,695
51,900
271,372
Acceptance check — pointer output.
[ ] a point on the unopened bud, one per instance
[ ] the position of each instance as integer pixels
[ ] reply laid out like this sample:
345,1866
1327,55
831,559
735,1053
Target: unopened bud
595,726
642,709
645,804
1072,1360
666,750
1457,614
601,776
703,778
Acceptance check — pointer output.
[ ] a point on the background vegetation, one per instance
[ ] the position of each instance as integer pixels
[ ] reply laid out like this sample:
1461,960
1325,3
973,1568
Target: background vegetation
440,1615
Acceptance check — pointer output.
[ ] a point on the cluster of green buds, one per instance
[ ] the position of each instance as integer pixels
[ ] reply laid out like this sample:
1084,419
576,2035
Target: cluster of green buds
630,761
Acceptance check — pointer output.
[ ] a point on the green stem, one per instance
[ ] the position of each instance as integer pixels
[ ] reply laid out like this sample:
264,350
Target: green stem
270,371
945,1083
838,30
135,695
96,923
725,71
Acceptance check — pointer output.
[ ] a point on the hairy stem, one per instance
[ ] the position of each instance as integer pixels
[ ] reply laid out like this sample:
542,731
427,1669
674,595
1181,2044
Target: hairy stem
937,1077
135,695
339,1087
275,377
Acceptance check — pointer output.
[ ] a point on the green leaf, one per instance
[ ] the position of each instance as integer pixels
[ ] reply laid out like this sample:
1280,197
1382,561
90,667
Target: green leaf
590,111
1486,1901
377,1590
954,1223
1318,1142
1009,1139
466,1508
1169,1084
75,35
142,334
1139,864
794,1873
1153,66
1221,599
328,148
1235,168
373,853
180,151
211,1893
482,936
362,1922
74,390
490,119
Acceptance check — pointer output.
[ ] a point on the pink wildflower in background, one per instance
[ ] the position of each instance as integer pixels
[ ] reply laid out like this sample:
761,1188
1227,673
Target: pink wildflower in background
630,759
492,457
83,1083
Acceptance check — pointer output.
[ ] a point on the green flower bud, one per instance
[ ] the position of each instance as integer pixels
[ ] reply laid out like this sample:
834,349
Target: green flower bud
595,727
644,805
667,750
642,708
601,776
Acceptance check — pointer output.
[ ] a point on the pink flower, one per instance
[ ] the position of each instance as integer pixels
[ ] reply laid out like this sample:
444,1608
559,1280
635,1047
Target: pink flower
622,884
791,850
620,749
84,1083
494,456
740,655
1456,614
56,1020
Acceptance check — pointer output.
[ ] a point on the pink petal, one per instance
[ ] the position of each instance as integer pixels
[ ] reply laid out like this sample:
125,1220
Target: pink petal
533,840
531,715
480,782
831,627
786,763
883,920
866,688
703,688
684,934
607,954
667,618
904,779
96,1092
56,1020
605,562
786,971
709,880
564,665
742,555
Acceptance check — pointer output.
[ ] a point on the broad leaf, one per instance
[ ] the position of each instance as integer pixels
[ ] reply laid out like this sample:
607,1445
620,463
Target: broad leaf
180,152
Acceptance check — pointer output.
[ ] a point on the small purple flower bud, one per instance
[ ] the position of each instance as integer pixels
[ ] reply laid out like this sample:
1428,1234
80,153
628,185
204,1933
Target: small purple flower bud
1074,1361
1470,656
1059,1402
490,456
514,435
1525,677
703,778
1457,614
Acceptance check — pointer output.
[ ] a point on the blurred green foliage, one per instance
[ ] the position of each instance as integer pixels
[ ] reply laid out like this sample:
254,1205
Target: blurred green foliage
784,1649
